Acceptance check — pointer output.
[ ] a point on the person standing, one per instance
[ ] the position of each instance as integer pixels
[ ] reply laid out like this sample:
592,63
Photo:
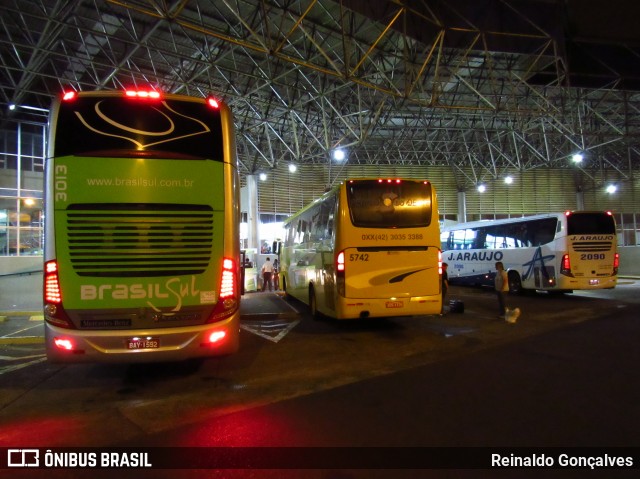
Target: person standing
267,274
276,274
445,286
501,286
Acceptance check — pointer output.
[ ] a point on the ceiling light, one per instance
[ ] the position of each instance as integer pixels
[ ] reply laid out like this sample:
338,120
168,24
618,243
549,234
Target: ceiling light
339,155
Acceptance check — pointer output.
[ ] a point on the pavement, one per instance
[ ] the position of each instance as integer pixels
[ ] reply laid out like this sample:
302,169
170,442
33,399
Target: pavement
21,317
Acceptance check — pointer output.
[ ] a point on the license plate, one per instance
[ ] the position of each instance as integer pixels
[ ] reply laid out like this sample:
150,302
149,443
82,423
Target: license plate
395,304
594,282
143,343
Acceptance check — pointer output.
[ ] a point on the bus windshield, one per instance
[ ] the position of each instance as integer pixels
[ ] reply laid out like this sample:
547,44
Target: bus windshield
590,223
138,128
389,204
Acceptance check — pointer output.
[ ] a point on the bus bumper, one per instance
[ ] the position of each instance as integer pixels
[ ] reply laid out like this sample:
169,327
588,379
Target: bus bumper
142,346
355,308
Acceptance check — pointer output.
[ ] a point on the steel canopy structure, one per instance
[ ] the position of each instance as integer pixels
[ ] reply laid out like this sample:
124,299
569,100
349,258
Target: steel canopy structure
480,87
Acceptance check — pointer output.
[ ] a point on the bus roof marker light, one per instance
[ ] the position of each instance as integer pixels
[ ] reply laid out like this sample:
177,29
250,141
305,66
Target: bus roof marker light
213,103
69,95
144,94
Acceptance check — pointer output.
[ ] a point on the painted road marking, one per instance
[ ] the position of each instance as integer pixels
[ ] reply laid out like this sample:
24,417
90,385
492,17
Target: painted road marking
9,369
273,330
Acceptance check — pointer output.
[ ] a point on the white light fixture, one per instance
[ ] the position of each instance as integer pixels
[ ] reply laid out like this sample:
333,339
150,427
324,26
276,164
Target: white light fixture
611,189
292,168
482,188
339,155
508,180
263,177
577,158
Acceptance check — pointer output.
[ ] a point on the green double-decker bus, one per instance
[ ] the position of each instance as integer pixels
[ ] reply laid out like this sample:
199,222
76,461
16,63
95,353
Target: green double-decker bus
142,254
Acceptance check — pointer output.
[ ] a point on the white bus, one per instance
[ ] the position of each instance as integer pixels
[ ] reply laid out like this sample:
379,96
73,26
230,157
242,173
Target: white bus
555,252
367,248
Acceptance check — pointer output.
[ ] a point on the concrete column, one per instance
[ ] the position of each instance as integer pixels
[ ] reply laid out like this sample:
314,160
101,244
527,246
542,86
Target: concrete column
580,199
462,207
252,212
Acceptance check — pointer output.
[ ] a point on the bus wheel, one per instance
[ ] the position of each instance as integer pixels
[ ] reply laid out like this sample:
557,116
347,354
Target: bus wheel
515,284
313,304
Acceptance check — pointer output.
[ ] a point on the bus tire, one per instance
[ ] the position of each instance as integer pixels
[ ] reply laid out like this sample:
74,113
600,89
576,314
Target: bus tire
313,303
515,284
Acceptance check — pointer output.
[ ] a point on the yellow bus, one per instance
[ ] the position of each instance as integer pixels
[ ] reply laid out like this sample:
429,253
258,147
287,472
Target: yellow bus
367,248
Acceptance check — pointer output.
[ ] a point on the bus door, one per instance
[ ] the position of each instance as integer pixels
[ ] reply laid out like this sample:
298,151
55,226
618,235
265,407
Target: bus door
399,272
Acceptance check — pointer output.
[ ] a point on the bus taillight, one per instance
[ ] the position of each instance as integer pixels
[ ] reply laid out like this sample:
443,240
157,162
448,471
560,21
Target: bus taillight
228,280
213,103
63,343
69,95
340,270
440,262
565,267
616,263
228,297
340,263
54,312
52,292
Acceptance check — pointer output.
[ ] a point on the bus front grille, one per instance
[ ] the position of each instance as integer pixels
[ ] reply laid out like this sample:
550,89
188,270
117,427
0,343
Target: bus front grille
139,239
591,246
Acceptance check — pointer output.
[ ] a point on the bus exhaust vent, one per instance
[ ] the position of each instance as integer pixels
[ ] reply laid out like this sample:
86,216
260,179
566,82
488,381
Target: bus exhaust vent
590,246
139,239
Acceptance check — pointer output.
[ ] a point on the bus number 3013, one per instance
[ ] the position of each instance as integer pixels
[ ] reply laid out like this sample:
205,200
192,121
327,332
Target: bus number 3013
359,257
586,256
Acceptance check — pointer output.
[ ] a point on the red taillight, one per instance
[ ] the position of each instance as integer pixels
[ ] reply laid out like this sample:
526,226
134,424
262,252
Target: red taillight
565,267
228,281
53,309
440,262
213,103
616,263
63,343
69,95
340,262
216,336
52,292
228,297
340,270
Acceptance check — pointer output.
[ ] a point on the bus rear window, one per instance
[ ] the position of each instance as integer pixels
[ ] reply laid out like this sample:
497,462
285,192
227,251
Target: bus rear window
590,223
116,126
401,204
